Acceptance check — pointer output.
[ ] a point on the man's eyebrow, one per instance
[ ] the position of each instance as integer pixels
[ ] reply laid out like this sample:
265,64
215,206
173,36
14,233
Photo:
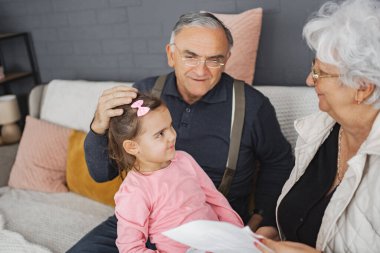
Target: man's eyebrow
220,56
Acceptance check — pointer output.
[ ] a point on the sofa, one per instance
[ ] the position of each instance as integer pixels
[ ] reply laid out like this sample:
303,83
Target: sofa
36,220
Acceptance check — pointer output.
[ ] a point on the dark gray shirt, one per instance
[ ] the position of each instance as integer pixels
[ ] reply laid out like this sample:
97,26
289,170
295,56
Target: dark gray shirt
203,130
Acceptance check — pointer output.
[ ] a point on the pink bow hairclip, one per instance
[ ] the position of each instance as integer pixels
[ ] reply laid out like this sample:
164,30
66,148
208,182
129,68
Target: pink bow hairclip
142,110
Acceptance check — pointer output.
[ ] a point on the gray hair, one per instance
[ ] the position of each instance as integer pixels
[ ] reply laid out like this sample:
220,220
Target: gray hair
200,19
347,35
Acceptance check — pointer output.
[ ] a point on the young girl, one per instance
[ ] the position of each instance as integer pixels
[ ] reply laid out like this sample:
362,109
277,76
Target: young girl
164,188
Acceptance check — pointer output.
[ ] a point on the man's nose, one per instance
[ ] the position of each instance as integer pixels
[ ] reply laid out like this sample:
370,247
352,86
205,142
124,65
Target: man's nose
201,68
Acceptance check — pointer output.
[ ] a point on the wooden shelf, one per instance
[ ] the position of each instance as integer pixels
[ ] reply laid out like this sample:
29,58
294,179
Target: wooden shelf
15,76
10,35
25,39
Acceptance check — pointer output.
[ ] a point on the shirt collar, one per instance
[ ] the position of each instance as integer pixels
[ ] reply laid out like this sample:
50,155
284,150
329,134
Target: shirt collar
314,126
217,94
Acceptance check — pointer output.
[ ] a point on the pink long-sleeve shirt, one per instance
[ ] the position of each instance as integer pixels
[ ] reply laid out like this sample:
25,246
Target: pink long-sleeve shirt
149,204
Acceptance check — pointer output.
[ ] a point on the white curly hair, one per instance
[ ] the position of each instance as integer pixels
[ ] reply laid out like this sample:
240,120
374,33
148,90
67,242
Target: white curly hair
347,35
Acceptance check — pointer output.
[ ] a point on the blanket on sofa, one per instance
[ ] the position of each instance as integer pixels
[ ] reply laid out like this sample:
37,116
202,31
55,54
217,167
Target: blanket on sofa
54,220
12,242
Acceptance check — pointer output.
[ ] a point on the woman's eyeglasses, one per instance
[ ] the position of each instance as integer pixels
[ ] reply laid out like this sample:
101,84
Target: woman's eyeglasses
316,75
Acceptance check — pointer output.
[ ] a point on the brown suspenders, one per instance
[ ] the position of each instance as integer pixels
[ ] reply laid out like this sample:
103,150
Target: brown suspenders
158,86
237,122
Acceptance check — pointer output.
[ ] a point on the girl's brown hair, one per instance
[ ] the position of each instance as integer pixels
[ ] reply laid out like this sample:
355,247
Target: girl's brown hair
127,127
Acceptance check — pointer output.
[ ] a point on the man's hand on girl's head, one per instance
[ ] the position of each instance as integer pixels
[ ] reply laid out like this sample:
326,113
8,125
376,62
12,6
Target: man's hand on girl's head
111,98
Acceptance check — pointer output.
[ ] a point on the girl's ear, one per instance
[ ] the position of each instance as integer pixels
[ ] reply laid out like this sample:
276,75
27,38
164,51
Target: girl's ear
131,147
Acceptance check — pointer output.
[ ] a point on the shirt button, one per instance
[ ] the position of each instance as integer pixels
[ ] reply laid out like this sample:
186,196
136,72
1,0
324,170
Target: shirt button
188,109
301,220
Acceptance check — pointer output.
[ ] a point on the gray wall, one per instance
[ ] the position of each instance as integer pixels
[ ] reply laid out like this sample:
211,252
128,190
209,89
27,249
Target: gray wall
124,39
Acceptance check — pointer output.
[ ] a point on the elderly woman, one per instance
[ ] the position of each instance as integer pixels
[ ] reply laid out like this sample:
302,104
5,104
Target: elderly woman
331,201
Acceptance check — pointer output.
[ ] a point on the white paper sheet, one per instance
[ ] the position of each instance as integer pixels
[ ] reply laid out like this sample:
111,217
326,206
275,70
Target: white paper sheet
215,236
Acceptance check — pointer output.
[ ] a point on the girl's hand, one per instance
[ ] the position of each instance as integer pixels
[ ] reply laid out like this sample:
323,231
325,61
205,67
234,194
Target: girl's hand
286,247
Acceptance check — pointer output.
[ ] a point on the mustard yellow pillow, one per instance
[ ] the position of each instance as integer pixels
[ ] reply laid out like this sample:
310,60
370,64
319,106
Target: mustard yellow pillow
79,179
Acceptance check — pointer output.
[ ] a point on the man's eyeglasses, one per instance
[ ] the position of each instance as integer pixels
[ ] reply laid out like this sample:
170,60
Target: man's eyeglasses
316,75
193,61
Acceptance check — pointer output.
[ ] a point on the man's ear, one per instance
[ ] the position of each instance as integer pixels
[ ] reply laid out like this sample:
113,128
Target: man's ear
131,147
228,56
225,62
169,55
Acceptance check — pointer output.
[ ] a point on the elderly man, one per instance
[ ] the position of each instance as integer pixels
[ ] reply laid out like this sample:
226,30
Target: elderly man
199,96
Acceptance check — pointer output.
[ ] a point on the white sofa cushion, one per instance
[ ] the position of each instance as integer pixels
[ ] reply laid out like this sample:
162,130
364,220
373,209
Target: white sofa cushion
73,103
291,103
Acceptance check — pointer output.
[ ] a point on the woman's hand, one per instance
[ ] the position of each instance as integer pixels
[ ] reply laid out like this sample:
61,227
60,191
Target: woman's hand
286,247
110,99
269,232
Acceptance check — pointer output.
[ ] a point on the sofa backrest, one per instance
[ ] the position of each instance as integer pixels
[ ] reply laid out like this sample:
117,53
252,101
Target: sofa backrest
68,103
73,103
291,103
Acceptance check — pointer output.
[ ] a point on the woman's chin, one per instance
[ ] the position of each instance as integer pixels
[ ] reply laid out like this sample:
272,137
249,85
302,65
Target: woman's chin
322,104
323,107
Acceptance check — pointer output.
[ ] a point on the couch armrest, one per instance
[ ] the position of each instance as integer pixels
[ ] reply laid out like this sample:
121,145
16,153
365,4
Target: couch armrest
7,158
36,97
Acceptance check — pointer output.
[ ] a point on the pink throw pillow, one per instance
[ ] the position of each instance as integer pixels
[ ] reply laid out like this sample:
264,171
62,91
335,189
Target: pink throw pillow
245,28
40,163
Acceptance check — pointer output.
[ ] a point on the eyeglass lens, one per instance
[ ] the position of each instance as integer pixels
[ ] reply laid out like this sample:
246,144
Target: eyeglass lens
193,61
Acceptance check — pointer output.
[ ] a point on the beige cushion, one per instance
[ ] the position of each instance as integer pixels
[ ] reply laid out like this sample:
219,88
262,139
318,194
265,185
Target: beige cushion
245,28
40,163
